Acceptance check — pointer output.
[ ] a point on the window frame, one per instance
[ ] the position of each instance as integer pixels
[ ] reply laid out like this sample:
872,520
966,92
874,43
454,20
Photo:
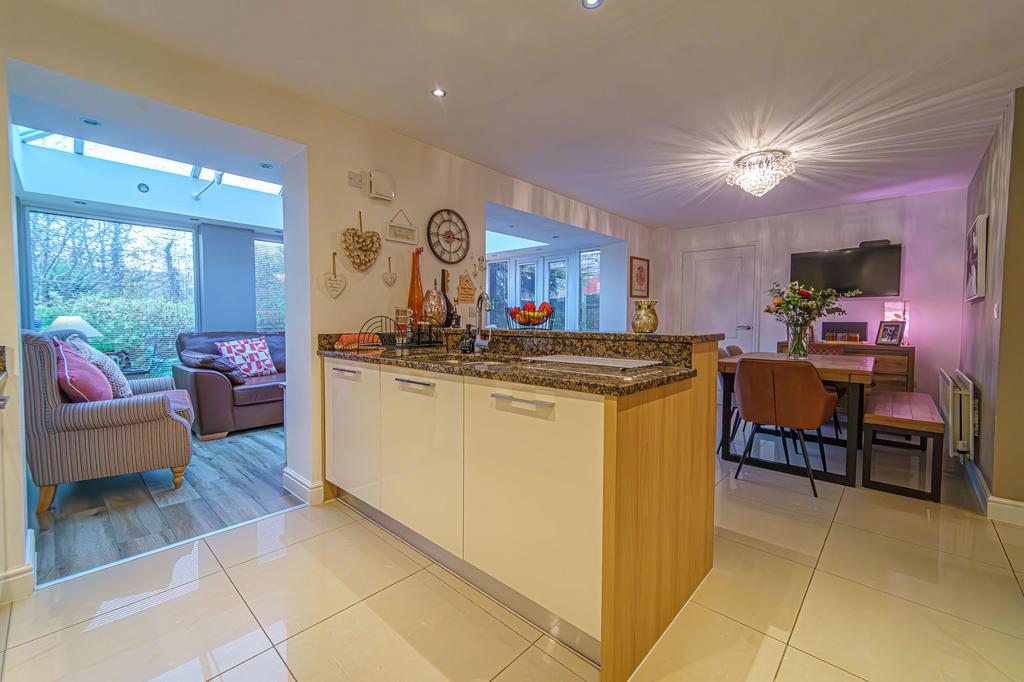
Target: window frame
572,275
25,250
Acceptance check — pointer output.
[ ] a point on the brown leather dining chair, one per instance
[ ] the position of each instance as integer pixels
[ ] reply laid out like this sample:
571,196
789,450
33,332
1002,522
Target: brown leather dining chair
787,394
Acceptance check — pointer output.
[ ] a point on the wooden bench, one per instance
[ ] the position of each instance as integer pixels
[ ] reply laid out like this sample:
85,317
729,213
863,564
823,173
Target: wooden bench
906,414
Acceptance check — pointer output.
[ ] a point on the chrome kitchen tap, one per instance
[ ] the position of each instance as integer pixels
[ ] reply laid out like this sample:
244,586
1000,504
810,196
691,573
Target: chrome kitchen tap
483,303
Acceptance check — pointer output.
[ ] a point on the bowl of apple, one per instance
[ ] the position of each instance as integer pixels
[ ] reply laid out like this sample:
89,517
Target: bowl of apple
531,316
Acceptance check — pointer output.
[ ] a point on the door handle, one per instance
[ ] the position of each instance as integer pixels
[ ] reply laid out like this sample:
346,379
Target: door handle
343,370
414,382
744,326
524,401
3,401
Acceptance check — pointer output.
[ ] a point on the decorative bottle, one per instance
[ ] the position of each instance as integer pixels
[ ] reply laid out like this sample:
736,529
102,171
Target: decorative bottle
416,285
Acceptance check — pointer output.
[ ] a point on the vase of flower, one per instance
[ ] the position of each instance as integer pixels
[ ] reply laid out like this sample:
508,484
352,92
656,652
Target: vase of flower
798,306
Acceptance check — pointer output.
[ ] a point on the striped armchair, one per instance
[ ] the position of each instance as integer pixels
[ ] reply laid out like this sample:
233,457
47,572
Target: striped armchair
68,442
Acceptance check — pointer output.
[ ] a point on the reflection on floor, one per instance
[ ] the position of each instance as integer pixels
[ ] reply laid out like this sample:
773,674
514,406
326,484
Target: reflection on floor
855,583
229,481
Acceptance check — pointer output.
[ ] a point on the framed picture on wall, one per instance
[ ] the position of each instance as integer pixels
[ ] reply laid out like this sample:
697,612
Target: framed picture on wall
976,258
890,333
639,277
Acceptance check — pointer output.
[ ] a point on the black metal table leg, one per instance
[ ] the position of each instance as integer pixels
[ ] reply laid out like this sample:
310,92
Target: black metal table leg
854,430
728,382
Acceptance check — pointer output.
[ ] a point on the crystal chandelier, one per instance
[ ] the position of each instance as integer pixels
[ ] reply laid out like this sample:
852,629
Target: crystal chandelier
759,172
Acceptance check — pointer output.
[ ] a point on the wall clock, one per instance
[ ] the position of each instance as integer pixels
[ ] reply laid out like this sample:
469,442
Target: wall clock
448,236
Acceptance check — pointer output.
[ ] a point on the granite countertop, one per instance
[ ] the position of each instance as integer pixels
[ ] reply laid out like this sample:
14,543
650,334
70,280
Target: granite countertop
598,380
611,336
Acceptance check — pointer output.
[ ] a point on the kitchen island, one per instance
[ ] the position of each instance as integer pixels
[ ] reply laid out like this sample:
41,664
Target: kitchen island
581,496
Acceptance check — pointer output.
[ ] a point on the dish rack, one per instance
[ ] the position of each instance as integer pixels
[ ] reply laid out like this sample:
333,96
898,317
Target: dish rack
416,332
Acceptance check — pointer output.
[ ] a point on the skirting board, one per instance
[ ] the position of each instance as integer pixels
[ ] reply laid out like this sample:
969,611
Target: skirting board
996,508
20,581
301,487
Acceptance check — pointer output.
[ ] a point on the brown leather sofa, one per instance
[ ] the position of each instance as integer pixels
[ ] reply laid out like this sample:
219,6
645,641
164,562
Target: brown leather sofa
221,407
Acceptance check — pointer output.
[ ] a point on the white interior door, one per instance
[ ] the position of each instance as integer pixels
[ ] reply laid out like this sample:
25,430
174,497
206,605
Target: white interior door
720,294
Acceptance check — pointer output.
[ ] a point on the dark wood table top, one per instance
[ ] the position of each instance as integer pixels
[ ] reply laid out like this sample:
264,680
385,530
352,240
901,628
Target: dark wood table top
852,369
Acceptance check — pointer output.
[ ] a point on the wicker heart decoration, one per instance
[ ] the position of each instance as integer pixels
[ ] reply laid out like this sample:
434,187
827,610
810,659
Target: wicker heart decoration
362,248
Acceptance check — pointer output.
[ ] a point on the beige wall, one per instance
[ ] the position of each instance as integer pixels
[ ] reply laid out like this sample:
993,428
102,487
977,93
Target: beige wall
1008,465
979,356
930,227
427,179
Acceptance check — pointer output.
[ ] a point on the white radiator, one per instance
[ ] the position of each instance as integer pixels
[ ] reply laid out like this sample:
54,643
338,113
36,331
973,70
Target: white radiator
959,410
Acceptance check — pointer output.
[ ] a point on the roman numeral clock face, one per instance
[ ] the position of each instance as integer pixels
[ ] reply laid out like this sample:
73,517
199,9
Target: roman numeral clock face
448,236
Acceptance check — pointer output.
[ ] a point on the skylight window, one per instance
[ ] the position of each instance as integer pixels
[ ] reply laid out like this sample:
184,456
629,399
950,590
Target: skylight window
130,158
498,242
250,183
61,143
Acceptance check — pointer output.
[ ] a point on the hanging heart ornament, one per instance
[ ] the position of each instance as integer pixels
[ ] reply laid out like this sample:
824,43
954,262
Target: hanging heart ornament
362,248
334,283
390,277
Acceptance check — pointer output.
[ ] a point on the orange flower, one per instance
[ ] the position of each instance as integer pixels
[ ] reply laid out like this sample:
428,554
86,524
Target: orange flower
777,301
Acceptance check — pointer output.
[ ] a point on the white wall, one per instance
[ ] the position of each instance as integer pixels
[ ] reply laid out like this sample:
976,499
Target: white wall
614,287
336,142
930,227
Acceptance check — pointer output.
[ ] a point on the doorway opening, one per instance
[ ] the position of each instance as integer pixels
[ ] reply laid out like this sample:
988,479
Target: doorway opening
152,298
531,260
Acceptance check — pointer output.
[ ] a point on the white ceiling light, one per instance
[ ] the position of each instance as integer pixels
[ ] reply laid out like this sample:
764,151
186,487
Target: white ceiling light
758,172
438,92
592,4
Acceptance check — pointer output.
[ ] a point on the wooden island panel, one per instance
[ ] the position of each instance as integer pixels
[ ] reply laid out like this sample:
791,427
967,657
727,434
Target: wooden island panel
658,510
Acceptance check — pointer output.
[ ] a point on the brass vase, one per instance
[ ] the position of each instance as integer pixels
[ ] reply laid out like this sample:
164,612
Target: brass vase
645,317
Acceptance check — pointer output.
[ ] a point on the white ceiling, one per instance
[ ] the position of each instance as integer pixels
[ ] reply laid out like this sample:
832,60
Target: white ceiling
639,106
558,236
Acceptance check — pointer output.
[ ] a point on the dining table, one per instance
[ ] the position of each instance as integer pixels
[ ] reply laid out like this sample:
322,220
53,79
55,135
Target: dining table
853,372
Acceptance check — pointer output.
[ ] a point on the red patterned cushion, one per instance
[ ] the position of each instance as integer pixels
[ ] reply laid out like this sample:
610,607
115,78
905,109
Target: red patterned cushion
251,356
79,380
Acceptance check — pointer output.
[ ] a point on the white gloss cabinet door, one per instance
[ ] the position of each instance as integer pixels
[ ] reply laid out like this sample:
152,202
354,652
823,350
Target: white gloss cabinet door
422,422
534,473
352,428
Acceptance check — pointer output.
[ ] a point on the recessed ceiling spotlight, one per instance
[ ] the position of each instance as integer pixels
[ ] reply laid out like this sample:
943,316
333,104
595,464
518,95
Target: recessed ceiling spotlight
195,220
265,165
142,187
80,203
91,121
555,236
438,92
592,4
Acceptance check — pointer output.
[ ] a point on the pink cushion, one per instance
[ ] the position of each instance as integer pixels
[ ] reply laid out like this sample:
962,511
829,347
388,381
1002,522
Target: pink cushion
78,378
251,355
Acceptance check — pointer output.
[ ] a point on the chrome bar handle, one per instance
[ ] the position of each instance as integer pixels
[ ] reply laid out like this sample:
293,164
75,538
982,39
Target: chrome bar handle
345,370
414,382
524,401
3,401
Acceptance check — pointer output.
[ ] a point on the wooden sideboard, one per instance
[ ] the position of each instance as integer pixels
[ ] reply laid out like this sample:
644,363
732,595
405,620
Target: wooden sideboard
894,365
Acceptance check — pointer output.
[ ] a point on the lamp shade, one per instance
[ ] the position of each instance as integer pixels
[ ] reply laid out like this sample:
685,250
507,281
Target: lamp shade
74,323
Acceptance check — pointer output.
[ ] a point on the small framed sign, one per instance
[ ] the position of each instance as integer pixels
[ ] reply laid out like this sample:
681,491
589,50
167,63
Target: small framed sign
890,333
639,277
400,229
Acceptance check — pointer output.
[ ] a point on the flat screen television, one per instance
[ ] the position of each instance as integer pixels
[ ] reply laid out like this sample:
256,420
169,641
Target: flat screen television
875,270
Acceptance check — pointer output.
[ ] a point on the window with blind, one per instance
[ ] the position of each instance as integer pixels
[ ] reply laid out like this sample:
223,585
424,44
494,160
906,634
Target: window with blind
269,286
135,284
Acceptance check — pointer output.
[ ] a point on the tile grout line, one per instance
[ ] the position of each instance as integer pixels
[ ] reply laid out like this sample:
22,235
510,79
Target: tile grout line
1002,544
289,544
249,609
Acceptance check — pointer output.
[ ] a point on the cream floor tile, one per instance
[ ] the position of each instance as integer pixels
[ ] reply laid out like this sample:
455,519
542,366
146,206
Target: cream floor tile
295,587
800,667
758,589
517,624
569,658
5,621
881,637
79,599
267,667
924,523
703,645
247,542
419,629
399,544
798,537
972,590
1013,542
191,632
722,469
536,666
792,493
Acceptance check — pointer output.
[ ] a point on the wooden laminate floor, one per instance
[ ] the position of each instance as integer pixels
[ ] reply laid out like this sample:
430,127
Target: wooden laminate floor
97,522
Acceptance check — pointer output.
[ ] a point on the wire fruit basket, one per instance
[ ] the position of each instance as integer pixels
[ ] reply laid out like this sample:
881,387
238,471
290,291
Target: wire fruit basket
531,316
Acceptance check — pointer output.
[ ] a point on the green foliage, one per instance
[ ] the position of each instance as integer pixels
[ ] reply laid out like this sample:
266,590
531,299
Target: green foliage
797,306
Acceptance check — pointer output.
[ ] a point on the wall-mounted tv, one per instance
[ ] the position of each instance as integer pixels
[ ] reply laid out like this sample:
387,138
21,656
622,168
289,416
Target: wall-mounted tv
874,269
